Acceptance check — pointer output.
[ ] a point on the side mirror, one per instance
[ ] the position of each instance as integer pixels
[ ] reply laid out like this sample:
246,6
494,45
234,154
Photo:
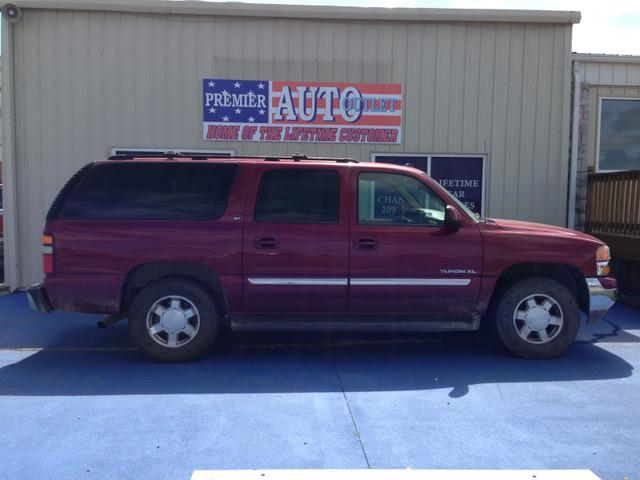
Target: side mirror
452,219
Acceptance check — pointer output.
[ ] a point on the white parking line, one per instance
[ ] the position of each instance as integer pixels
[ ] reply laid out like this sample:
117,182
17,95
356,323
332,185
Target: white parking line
69,349
364,474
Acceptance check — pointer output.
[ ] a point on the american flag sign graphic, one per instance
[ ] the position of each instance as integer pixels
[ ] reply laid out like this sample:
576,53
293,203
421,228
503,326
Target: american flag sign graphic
308,112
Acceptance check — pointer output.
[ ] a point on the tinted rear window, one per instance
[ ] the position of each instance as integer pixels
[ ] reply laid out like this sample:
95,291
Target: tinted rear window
300,195
63,194
177,191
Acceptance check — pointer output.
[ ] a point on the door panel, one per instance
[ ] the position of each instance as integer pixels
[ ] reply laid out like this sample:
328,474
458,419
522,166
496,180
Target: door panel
295,268
410,268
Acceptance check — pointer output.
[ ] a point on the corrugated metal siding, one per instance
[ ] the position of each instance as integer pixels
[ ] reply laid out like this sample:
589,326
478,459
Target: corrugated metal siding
88,81
610,73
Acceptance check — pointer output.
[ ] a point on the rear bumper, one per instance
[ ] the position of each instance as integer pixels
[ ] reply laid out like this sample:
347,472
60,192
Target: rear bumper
38,299
603,293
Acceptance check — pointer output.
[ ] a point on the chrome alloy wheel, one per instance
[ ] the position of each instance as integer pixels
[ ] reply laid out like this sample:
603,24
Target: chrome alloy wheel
538,318
173,321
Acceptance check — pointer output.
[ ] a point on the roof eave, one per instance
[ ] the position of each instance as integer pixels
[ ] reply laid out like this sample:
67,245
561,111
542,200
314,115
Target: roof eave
605,58
191,7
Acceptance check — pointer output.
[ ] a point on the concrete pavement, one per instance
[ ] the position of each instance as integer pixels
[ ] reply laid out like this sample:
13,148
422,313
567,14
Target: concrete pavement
78,402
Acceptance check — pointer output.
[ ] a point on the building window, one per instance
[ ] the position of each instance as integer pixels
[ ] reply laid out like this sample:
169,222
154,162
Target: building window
619,134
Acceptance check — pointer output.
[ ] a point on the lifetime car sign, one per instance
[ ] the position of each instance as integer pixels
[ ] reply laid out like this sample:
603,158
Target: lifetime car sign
269,111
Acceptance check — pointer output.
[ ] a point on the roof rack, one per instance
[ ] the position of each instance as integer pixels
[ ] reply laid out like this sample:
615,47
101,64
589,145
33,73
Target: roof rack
296,157
168,154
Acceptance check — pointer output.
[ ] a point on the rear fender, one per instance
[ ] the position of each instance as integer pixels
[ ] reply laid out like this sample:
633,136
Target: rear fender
145,274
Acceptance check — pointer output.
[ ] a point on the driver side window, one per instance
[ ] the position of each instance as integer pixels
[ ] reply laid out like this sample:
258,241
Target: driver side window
395,199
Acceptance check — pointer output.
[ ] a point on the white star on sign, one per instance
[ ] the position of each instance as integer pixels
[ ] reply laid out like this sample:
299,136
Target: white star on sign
225,119
238,111
250,92
212,110
212,84
224,92
261,85
236,85
261,111
251,119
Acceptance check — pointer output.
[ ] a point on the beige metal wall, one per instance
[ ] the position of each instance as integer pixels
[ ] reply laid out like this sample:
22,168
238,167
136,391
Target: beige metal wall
87,81
609,69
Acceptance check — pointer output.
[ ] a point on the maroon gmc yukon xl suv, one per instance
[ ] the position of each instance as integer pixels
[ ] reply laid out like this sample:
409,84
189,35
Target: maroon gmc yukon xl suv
187,246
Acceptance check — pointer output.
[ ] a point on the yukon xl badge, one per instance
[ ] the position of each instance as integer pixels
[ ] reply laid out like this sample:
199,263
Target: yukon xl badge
457,271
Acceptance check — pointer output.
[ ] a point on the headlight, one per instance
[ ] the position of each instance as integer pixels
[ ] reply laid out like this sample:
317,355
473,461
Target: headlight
602,260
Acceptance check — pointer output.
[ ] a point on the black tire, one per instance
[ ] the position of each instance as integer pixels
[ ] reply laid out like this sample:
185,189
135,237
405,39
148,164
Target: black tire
560,337
207,320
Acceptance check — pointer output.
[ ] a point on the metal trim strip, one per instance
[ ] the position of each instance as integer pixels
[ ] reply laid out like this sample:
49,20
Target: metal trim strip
358,282
299,281
420,282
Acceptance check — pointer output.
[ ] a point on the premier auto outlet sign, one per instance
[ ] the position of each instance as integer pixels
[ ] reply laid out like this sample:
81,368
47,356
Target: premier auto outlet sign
327,112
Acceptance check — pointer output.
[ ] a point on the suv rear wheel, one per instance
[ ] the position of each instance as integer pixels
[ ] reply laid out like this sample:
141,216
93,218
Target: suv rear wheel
537,318
173,320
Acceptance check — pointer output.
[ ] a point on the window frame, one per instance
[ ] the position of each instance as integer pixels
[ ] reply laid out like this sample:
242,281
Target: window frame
265,171
378,156
402,225
598,131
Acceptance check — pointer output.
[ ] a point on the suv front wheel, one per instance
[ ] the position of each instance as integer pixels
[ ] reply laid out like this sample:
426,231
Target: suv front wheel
173,320
537,318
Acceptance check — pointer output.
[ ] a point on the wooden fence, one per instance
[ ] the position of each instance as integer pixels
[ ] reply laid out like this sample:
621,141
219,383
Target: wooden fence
613,211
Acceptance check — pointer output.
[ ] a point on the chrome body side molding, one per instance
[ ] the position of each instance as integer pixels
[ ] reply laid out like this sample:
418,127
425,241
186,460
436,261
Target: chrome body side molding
300,281
383,281
413,282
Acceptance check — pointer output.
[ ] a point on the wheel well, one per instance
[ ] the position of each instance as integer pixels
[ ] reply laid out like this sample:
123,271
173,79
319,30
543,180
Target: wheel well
147,273
568,275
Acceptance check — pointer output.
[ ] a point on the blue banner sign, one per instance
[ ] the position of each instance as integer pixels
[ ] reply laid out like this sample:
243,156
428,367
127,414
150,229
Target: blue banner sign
462,177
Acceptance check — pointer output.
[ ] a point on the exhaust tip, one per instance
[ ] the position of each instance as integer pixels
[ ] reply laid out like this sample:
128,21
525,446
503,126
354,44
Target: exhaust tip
107,321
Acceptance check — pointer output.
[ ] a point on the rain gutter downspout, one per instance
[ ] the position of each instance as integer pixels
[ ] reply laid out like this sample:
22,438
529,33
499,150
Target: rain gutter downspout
575,127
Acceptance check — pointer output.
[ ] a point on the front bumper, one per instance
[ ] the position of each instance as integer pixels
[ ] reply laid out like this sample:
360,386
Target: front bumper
603,293
38,299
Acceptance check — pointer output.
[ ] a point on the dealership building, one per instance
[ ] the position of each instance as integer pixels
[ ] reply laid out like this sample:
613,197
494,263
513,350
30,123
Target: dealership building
480,99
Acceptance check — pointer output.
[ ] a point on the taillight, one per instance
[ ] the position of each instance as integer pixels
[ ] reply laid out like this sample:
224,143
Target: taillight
47,253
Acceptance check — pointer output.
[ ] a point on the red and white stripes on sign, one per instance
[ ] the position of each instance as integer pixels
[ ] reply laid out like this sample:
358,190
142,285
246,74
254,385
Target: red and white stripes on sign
380,104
